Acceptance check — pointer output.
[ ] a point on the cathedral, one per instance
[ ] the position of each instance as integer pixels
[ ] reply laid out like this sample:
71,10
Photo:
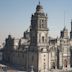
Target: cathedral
35,51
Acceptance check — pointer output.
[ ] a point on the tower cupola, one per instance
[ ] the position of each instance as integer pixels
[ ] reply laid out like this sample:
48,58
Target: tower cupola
64,33
65,29
39,8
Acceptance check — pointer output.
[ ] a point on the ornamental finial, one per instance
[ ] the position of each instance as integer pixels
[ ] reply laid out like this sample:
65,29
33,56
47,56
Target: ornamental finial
39,2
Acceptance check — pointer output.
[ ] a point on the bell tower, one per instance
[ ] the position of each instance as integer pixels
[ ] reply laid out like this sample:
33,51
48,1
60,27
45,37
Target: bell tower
38,26
39,38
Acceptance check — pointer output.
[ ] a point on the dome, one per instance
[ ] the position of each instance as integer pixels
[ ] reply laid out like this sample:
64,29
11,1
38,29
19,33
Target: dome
39,8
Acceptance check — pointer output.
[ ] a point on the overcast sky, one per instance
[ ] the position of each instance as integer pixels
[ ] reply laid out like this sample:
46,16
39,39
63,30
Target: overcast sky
15,16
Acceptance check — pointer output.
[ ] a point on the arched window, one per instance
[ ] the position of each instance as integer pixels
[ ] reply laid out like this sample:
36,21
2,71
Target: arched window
43,39
65,63
53,65
42,23
42,26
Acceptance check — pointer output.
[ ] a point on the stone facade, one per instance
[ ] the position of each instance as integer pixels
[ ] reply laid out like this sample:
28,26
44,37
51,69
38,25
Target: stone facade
38,51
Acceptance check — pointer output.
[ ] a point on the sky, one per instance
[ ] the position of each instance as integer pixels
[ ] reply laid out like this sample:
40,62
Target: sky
15,16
